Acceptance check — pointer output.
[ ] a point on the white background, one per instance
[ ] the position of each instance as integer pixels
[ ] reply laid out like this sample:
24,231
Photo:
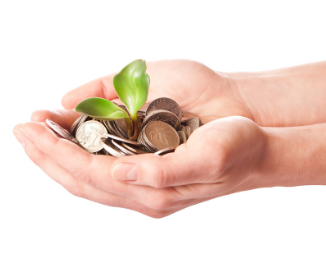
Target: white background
50,47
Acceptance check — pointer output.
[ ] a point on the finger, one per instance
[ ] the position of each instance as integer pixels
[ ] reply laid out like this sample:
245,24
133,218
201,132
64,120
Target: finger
95,170
184,166
64,118
102,87
81,189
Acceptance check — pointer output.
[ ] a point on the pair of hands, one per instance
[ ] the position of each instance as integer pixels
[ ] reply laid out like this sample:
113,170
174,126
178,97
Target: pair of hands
221,157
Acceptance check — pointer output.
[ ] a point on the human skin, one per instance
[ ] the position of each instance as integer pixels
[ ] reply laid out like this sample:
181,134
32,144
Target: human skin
236,150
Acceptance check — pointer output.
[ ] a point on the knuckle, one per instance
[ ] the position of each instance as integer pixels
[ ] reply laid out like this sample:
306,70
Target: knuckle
161,178
75,190
83,177
157,215
159,201
158,176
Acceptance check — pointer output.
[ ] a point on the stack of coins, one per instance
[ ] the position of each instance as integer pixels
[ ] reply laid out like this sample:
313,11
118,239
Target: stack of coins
161,130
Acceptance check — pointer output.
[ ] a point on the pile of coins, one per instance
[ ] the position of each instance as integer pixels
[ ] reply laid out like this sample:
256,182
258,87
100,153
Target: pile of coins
162,128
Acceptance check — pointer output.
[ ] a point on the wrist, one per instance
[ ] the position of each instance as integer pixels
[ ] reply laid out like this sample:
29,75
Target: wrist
294,156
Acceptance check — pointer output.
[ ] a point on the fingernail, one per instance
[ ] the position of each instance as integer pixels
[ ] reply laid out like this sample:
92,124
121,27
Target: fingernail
125,171
19,137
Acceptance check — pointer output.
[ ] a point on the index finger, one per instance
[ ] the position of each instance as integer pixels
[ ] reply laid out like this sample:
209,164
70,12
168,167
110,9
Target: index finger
101,87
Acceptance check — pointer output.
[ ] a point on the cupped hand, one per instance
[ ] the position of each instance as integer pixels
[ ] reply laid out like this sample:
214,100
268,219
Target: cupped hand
220,157
194,86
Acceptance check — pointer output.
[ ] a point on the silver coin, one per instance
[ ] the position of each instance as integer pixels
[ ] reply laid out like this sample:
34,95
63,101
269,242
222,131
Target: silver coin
165,104
163,116
165,151
60,131
121,148
108,147
121,139
83,120
182,136
73,126
89,135
137,150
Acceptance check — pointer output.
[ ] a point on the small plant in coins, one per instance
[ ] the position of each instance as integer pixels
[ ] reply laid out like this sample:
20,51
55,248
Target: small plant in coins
119,130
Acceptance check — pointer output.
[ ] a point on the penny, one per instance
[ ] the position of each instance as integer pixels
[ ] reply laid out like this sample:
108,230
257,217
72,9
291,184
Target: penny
193,123
186,116
107,145
164,116
165,151
137,150
89,135
141,113
182,136
160,135
121,127
188,131
121,148
113,129
60,131
165,104
121,139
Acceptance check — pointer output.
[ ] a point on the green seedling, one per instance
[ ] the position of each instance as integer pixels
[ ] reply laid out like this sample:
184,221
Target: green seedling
131,85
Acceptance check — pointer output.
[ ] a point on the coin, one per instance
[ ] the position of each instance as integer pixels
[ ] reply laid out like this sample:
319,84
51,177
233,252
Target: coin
165,151
159,135
137,150
182,136
121,148
61,131
164,116
89,135
193,123
74,125
121,127
186,116
188,131
121,139
165,104
107,145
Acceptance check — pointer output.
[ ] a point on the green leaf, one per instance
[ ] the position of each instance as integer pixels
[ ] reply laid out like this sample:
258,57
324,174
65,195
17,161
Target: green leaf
100,108
132,85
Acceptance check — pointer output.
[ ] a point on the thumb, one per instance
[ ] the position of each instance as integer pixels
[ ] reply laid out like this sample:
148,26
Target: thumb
102,87
184,166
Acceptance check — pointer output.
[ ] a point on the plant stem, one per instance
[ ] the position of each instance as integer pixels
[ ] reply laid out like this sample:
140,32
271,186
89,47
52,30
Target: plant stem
135,126
129,127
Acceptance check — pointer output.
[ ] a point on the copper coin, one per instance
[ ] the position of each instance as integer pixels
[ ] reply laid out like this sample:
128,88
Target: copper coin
164,116
160,135
61,131
193,123
121,127
182,136
188,131
165,104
